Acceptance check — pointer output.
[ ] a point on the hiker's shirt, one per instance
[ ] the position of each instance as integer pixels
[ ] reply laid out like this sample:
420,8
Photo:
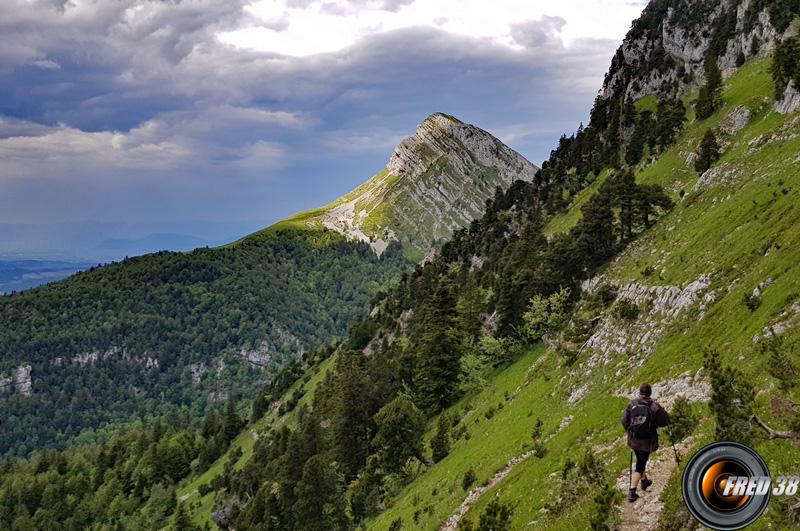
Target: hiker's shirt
659,419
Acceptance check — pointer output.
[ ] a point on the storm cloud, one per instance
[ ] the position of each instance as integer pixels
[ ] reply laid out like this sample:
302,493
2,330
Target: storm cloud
138,110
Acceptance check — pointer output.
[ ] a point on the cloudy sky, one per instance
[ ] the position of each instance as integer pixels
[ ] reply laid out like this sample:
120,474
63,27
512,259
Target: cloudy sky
210,118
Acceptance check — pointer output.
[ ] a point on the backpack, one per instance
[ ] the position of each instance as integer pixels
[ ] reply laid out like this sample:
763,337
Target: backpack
641,424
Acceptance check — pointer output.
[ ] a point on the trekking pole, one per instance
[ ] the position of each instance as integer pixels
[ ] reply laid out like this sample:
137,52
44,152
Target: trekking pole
630,473
677,458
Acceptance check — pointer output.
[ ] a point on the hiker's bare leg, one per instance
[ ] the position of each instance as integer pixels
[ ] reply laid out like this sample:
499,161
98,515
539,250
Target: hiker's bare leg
635,479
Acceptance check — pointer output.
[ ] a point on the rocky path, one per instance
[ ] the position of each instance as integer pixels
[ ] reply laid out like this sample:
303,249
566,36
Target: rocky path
643,513
472,497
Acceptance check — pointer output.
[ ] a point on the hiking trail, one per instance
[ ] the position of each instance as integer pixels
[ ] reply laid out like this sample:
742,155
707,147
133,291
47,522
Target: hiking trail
452,523
644,512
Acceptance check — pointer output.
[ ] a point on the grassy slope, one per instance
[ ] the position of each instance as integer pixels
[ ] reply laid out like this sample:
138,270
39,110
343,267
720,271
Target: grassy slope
723,231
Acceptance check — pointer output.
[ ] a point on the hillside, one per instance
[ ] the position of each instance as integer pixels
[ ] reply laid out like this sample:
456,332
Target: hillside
712,282
484,390
174,332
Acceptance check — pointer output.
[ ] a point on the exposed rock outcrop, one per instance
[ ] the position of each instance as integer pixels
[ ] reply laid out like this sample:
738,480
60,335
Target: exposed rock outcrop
435,182
89,358
658,307
641,66
790,102
722,175
693,387
18,381
260,355
736,120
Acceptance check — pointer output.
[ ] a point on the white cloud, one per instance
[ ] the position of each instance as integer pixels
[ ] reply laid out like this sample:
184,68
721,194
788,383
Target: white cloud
173,140
324,26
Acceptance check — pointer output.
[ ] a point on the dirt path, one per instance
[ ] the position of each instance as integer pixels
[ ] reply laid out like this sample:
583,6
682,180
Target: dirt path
472,497
643,513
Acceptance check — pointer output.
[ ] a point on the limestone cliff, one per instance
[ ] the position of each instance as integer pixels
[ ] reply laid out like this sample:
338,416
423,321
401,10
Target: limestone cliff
435,182
666,48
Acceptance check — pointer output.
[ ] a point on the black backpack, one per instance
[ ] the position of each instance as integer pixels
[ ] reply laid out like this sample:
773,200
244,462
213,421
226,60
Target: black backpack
641,424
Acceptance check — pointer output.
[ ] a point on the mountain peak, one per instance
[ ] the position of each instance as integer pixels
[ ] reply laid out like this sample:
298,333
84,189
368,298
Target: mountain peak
442,135
436,181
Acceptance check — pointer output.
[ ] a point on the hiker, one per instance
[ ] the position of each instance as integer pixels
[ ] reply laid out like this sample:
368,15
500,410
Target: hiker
641,420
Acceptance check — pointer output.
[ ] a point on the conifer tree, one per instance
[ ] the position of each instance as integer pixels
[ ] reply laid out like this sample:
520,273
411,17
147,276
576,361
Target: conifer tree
401,426
211,424
181,521
670,116
438,352
496,517
635,148
709,152
231,423
320,504
260,405
351,418
732,395
440,444
710,93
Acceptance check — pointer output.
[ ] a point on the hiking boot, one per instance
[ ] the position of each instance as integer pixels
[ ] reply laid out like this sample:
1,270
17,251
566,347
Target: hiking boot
646,482
632,496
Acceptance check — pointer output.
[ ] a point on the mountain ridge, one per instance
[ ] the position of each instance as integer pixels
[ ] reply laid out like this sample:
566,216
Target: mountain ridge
435,181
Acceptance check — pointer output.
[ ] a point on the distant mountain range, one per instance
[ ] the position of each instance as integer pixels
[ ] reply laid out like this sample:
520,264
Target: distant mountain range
18,275
99,242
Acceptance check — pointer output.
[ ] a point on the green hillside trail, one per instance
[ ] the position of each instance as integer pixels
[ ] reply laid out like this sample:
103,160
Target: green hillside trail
472,497
645,512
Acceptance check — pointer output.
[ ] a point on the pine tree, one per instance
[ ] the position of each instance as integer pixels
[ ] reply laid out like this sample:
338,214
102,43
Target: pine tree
709,152
440,444
650,196
786,65
401,426
496,517
670,116
623,189
635,148
732,395
594,233
181,521
470,305
211,424
231,423
682,422
260,405
709,98
320,504
351,416
438,352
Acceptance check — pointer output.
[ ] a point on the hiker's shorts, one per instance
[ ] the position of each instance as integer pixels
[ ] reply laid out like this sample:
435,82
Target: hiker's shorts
641,460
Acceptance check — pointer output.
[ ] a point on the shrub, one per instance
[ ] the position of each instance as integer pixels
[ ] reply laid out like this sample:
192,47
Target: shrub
682,422
752,302
604,515
496,517
545,314
626,309
468,479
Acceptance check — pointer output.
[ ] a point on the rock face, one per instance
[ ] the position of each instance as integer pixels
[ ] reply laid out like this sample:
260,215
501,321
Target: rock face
668,46
18,381
437,181
736,121
659,306
790,102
